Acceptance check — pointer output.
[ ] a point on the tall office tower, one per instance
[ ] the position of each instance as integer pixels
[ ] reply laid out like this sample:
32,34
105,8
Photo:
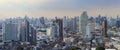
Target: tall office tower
32,32
118,22
27,18
42,21
65,20
60,23
1,35
37,23
72,25
10,32
24,31
111,22
49,24
83,22
104,27
76,24
98,20
55,30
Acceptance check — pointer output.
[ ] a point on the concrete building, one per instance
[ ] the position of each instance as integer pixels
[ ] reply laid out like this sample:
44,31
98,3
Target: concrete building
33,36
27,32
48,31
104,27
1,35
10,32
55,30
24,31
65,22
88,34
60,24
76,24
83,22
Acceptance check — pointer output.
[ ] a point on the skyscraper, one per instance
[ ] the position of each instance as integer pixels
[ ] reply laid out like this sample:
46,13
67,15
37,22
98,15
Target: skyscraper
65,20
83,22
71,28
104,27
10,32
76,24
32,32
24,31
60,23
55,30
118,22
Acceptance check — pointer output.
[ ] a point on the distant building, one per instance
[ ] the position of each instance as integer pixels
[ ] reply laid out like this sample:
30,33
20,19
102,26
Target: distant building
76,24
33,36
1,35
60,23
10,32
72,23
55,30
24,31
65,22
104,27
98,20
27,32
48,31
83,22
88,34
118,22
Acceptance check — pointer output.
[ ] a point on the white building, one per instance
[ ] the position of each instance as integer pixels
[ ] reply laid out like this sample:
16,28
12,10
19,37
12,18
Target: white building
88,34
48,31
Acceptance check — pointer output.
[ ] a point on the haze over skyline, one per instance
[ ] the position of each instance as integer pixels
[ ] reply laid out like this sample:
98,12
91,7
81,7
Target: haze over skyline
51,8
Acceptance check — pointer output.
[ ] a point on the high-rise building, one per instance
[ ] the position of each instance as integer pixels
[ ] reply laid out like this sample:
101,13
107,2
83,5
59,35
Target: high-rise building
71,28
32,32
55,30
42,21
60,23
88,34
104,27
83,22
10,32
118,22
24,31
27,32
65,20
76,24
98,19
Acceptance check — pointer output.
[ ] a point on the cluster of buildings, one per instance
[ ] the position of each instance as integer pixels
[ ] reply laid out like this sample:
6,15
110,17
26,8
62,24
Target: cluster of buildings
59,33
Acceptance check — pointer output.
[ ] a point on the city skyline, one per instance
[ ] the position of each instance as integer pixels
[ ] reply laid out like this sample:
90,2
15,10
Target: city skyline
59,25
52,8
77,33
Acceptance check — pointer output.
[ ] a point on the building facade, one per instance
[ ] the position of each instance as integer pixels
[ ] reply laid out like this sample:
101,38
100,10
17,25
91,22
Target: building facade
10,32
83,22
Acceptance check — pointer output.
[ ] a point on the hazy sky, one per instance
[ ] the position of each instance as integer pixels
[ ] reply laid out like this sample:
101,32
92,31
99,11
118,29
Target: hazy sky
49,8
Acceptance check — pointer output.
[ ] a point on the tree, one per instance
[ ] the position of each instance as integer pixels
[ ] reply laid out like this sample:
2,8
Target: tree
19,48
75,48
100,48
